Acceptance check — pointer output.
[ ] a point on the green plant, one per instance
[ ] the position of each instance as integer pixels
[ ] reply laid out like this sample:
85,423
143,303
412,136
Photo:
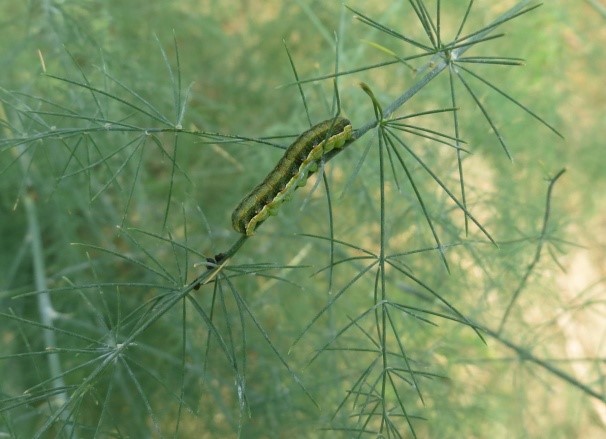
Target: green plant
354,324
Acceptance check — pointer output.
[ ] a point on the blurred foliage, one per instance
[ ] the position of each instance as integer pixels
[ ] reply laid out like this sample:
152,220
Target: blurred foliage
116,215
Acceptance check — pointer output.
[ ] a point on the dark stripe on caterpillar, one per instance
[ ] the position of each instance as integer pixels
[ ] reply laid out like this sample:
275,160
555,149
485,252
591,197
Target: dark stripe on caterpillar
300,159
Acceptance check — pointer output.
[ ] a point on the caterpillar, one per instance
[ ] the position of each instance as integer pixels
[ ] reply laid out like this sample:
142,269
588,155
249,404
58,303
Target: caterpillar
299,161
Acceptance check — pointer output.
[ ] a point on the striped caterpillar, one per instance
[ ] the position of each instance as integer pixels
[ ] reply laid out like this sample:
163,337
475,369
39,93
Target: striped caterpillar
299,161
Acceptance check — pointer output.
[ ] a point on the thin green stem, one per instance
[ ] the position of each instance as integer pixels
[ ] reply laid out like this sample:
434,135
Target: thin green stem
382,286
538,252
438,64
48,315
527,355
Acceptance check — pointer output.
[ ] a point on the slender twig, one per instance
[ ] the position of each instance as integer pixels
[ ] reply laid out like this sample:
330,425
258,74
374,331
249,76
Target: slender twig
527,355
438,64
48,315
537,256
598,7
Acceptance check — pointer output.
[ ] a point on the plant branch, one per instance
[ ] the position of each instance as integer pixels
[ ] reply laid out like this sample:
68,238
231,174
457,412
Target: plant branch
538,252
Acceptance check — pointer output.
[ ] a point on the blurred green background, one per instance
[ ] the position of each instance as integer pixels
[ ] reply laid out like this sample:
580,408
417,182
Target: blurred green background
231,59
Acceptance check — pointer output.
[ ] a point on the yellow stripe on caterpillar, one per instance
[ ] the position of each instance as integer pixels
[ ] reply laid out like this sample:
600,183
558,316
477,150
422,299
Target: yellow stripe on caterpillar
299,161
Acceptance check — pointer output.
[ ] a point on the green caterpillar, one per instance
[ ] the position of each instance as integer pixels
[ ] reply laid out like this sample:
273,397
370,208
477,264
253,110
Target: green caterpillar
299,161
